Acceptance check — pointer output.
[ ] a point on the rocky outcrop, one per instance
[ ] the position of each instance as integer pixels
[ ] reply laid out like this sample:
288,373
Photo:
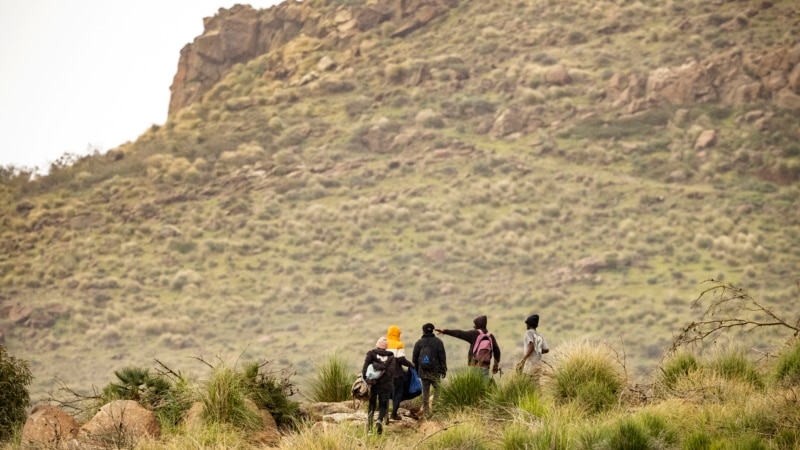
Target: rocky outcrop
241,33
121,421
49,427
733,78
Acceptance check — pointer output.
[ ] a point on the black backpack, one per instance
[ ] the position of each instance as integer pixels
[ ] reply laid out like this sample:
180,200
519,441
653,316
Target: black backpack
427,360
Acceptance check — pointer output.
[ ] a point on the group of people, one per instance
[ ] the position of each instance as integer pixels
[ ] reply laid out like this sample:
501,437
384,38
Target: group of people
429,359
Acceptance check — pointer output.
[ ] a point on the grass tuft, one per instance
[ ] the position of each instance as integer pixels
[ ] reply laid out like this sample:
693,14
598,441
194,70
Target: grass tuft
331,380
586,373
462,389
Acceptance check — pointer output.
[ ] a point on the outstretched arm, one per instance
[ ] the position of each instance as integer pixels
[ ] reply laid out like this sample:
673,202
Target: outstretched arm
461,334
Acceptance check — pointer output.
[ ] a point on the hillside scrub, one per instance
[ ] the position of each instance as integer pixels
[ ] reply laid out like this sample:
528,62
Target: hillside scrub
591,162
512,411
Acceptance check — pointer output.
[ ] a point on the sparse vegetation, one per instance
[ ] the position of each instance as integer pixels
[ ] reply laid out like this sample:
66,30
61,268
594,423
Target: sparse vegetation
481,162
15,377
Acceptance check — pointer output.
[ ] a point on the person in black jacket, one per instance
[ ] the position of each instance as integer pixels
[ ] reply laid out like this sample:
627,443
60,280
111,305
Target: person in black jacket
430,359
382,387
471,336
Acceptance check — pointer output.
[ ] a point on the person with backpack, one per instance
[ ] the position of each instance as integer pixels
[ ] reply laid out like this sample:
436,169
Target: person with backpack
482,346
533,346
430,359
378,370
396,346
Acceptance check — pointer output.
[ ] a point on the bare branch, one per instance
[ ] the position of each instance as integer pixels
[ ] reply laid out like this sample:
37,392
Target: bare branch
730,308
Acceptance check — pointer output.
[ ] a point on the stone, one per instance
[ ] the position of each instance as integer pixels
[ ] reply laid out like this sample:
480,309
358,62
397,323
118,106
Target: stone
48,427
558,76
508,122
326,63
706,139
121,420
316,411
794,79
786,99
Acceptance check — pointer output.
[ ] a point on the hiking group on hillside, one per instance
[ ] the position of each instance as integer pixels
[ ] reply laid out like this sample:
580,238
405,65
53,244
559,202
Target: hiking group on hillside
390,375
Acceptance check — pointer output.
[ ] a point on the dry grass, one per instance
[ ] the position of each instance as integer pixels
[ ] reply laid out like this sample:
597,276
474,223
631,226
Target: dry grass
335,208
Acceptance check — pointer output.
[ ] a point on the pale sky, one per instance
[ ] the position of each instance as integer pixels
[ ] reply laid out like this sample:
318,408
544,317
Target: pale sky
81,74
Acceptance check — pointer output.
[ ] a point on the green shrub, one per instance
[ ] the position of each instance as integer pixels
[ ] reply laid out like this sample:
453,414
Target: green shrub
271,391
586,373
15,376
787,369
746,442
462,389
734,365
223,397
629,435
676,367
168,398
458,437
788,438
512,390
518,437
532,404
698,440
331,381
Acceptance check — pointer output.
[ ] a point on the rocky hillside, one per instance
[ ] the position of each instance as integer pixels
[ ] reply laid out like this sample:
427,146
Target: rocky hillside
333,167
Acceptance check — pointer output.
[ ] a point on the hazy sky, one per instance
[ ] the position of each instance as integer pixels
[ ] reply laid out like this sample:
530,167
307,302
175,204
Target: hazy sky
79,74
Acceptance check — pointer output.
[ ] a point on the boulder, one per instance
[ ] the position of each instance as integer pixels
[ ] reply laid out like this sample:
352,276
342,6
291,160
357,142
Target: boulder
508,122
48,427
325,64
786,99
316,411
706,139
121,421
558,76
19,314
269,434
794,79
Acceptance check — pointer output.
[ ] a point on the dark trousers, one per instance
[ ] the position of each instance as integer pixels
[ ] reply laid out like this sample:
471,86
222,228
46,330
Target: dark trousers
379,399
397,395
427,384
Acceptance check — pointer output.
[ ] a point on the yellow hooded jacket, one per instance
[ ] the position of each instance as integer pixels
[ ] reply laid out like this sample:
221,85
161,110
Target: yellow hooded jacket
395,345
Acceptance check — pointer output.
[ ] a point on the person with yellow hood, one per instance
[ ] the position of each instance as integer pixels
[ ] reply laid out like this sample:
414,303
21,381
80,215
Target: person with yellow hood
396,346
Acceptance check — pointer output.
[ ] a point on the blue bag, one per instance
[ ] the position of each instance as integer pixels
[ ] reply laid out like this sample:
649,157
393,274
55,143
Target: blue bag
413,385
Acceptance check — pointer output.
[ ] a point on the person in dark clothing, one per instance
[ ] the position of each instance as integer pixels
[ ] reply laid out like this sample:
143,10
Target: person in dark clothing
396,346
382,388
471,336
430,359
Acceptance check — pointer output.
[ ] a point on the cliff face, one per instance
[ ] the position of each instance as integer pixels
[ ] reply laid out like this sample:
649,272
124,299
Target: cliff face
241,33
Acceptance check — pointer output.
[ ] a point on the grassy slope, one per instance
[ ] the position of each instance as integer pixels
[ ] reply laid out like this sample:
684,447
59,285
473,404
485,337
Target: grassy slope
305,241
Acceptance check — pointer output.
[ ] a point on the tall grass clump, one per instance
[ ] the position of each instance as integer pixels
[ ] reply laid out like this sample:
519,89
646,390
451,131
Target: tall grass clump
787,369
271,390
223,397
734,365
464,434
698,440
677,366
331,380
511,391
464,388
587,373
517,436
645,431
211,436
345,435
531,403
